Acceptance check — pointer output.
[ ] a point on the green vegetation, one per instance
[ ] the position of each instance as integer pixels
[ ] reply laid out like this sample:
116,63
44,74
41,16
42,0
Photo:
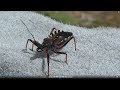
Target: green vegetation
59,16
100,18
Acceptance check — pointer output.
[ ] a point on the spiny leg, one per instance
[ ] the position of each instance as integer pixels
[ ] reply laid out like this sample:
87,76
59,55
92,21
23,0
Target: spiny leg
62,53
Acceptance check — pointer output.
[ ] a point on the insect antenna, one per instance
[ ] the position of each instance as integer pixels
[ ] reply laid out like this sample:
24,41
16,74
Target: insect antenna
28,29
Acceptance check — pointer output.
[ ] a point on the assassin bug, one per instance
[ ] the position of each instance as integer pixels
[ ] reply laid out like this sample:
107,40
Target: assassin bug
54,42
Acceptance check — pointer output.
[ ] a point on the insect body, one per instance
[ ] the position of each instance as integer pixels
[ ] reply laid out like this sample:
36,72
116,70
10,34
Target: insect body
54,42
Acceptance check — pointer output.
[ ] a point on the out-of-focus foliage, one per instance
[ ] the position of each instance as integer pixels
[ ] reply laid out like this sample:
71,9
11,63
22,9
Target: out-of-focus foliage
85,18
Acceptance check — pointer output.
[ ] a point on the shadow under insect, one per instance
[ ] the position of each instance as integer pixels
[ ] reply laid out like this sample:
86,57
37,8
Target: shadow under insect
42,55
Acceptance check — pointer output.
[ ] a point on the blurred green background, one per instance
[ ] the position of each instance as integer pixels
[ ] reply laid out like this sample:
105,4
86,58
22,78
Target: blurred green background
85,18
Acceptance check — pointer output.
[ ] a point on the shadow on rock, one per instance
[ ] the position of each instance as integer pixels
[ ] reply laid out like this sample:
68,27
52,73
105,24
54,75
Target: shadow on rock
43,56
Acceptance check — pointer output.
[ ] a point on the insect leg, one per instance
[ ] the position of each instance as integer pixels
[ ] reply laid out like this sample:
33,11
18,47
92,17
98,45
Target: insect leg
62,53
32,47
27,42
67,42
74,42
36,43
32,43
47,60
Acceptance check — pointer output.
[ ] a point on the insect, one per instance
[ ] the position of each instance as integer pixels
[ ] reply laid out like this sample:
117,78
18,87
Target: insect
55,41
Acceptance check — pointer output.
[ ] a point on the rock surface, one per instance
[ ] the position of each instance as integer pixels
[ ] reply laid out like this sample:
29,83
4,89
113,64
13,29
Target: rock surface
97,54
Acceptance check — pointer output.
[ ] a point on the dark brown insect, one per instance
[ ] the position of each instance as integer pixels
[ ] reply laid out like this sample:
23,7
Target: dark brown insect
54,42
